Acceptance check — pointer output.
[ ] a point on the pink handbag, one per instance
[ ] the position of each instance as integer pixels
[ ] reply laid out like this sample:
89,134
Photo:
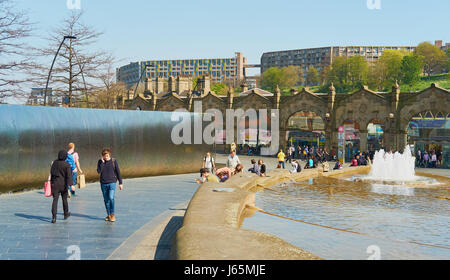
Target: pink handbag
48,189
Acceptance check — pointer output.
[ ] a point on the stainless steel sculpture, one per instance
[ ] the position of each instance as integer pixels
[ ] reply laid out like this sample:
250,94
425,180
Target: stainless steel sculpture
30,138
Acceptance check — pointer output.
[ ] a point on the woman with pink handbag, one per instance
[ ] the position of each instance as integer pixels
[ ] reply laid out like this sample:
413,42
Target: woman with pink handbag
60,180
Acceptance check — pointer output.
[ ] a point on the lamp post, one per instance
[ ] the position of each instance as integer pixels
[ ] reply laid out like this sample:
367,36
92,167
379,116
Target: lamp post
51,67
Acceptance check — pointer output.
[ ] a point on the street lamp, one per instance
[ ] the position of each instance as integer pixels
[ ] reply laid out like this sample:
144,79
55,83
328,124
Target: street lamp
51,68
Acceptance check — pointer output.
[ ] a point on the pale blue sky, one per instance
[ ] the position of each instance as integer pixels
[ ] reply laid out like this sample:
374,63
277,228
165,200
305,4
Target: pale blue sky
147,29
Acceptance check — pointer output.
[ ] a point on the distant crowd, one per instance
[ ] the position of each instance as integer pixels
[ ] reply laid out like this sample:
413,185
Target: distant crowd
428,159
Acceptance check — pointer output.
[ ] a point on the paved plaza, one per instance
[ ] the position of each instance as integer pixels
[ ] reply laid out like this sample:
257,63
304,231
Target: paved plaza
149,211
26,231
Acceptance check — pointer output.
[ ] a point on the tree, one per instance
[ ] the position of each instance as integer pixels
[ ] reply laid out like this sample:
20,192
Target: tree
312,76
323,76
271,78
338,73
77,70
220,88
412,66
387,69
14,58
448,60
348,74
106,97
291,76
358,70
434,58
286,77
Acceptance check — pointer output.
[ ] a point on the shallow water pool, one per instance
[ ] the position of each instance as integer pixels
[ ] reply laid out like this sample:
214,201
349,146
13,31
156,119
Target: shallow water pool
391,222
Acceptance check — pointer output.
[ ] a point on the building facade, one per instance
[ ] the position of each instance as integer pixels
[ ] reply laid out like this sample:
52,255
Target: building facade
370,120
322,57
37,95
219,69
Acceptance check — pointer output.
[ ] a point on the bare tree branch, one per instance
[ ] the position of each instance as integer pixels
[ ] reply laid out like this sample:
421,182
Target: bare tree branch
15,58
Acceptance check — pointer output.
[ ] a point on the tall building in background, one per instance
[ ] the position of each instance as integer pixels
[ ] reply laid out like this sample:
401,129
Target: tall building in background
322,57
218,69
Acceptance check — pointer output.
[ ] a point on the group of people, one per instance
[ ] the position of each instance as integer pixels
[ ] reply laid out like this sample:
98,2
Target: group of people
258,168
428,159
312,161
305,151
63,179
209,172
360,159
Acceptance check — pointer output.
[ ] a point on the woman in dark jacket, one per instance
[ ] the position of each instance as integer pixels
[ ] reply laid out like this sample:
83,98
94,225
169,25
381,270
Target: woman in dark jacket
61,179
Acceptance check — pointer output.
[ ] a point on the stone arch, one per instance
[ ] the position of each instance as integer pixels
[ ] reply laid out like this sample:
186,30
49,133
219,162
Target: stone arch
362,106
252,101
433,99
212,101
303,101
171,103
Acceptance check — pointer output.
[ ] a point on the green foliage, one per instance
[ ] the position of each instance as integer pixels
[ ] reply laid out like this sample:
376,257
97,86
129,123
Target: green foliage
271,78
349,74
220,89
291,76
312,76
434,58
194,82
442,80
390,63
286,77
411,69
448,60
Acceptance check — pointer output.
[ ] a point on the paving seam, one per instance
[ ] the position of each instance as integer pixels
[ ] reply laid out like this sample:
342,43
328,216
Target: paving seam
129,245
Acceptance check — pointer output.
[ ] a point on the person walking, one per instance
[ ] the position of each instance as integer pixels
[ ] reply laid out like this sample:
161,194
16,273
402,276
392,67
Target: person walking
281,157
433,159
426,158
109,171
419,158
61,179
74,160
208,163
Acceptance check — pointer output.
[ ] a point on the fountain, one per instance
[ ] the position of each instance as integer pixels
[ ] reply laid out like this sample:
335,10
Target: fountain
394,169
393,166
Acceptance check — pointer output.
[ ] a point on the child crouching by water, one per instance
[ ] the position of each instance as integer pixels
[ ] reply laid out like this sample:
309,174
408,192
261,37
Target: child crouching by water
205,176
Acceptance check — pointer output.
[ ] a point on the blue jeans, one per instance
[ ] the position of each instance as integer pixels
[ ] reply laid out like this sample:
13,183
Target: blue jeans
74,179
108,191
282,163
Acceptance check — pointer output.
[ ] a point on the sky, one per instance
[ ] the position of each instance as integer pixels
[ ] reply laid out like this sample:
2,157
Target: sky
182,29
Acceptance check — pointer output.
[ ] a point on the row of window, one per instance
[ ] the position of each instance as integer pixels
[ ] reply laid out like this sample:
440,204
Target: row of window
227,61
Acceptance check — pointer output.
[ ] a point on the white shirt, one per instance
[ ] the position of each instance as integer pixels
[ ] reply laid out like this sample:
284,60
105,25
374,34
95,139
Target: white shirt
295,165
208,162
233,161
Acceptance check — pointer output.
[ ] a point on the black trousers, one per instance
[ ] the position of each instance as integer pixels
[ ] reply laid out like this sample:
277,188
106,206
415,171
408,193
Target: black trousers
56,193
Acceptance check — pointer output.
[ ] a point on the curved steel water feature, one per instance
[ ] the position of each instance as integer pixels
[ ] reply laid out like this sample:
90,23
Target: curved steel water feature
30,138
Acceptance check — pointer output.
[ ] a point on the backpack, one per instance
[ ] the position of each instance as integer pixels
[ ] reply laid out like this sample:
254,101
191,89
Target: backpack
211,160
71,161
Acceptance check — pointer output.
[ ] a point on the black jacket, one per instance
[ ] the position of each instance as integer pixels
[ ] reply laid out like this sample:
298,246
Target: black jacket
109,172
61,173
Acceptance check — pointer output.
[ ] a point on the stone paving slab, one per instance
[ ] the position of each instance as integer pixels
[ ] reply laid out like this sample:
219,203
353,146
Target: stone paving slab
26,231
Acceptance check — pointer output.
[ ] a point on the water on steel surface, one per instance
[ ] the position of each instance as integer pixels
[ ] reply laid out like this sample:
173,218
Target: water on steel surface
30,138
